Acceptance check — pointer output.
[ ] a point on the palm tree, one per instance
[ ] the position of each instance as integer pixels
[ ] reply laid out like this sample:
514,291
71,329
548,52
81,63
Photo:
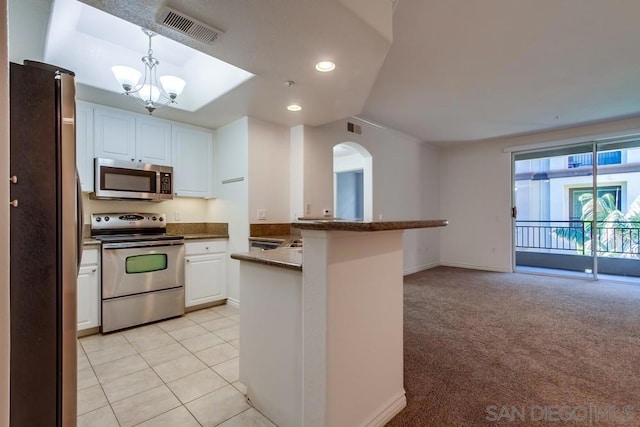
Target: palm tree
618,234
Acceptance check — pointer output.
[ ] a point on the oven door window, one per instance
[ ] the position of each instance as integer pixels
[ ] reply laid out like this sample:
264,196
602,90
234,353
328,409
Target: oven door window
146,263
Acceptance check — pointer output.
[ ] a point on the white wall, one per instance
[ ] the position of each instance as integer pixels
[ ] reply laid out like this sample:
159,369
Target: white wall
296,172
258,153
269,148
4,221
422,247
476,193
476,199
347,163
231,154
405,182
318,171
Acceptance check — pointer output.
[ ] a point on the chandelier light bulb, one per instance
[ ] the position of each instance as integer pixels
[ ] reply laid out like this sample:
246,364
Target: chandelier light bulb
150,93
127,77
172,85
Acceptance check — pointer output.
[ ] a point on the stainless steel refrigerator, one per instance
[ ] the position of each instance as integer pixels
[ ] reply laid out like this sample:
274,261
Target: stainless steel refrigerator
45,246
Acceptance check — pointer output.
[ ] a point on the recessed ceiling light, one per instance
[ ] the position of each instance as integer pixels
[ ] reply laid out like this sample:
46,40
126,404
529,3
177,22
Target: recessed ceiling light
325,66
294,107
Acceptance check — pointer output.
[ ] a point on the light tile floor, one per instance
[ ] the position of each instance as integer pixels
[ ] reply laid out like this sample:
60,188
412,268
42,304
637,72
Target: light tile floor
180,372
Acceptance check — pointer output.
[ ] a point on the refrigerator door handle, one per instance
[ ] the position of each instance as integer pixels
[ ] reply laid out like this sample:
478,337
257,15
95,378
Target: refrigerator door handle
79,219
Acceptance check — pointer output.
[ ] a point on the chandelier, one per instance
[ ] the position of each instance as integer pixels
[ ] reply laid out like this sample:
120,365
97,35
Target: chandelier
151,92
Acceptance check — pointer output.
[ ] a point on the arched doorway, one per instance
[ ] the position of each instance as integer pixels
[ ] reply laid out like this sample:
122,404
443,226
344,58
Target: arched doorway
352,182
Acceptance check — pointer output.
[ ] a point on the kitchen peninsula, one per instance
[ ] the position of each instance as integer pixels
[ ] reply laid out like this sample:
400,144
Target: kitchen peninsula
322,343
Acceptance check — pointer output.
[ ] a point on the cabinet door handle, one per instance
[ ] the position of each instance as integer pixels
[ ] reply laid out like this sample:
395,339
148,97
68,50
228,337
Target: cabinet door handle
133,160
14,203
188,260
206,248
14,179
94,270
139,160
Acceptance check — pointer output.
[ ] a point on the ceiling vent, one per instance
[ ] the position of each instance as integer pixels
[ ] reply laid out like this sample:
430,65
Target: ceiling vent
186,25
354,128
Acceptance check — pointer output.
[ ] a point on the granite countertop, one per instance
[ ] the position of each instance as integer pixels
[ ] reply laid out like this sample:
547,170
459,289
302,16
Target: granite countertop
282,257
344,225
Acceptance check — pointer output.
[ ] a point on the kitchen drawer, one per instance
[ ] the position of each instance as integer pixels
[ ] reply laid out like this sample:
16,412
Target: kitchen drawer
89,256
205,247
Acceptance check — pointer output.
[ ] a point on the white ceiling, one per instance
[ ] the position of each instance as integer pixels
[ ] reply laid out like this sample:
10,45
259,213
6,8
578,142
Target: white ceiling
462,70
454,70
89,42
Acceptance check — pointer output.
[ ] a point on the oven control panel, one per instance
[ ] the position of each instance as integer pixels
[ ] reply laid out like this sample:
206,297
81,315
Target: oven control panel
128,221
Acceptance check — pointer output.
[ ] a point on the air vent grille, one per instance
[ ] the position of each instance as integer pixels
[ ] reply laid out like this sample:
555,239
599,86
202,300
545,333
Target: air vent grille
186,25
354,128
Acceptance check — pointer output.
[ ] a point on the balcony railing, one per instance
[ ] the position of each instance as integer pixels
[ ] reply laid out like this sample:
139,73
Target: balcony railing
614,238
605,158
619,237
544,235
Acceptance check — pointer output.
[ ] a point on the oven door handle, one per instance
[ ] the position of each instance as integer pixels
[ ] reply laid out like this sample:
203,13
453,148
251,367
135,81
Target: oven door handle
145,244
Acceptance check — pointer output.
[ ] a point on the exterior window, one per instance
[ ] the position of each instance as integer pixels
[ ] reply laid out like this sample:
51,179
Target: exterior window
575,209
604,158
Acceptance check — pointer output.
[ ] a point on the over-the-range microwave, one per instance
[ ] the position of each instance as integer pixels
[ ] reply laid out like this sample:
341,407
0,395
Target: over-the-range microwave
118,180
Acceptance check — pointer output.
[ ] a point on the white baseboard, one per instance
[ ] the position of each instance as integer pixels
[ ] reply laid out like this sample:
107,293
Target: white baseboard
233,302
420,268
477,267
390,410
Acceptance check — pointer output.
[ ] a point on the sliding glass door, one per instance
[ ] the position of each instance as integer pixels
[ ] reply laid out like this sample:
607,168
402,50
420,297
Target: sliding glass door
575,215
550,235
617,208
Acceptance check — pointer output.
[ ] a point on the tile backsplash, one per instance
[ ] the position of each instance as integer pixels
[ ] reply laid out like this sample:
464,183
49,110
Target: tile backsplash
265,230
218,228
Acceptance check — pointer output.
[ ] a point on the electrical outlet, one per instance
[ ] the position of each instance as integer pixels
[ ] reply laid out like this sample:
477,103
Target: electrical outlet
177,215
261,214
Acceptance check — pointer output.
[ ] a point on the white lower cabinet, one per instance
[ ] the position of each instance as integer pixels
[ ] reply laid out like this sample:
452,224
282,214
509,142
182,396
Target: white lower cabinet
205,272
88,290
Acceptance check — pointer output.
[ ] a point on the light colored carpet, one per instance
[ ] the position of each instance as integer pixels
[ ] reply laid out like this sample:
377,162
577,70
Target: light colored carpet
474,339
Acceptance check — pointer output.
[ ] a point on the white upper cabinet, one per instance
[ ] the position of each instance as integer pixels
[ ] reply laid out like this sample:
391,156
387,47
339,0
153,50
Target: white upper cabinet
84,145
125,136
115,134
192,162
153,141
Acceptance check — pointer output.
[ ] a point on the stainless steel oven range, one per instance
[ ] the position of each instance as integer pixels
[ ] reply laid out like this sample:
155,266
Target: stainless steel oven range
142,269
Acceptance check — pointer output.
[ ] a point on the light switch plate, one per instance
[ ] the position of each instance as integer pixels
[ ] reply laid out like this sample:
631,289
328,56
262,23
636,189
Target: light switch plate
262,214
